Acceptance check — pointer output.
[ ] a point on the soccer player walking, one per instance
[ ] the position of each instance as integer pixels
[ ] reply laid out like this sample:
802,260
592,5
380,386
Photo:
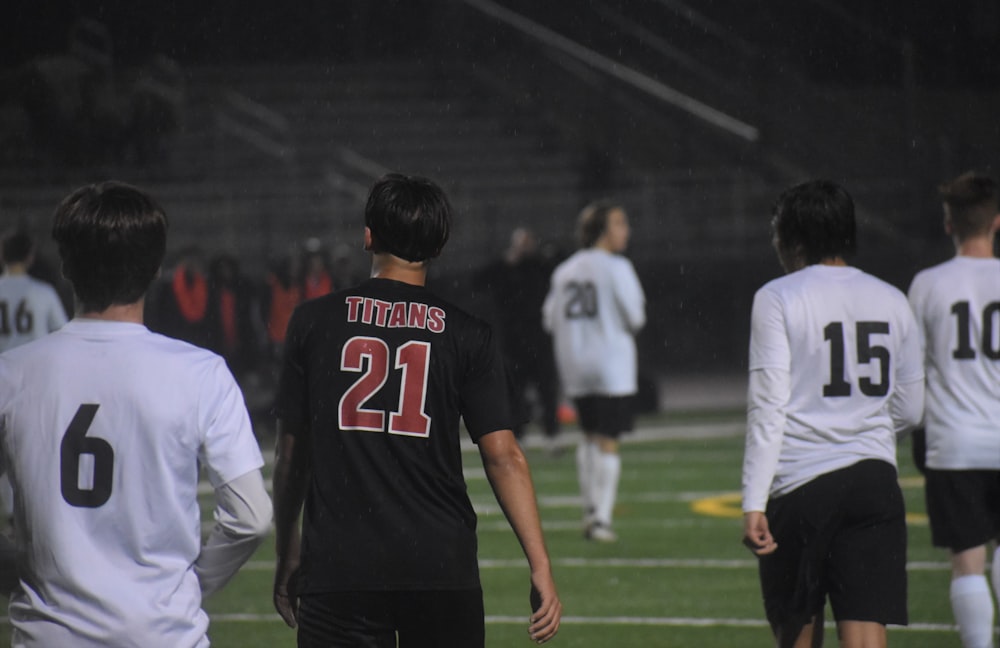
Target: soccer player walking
835,375
375,381
594,309
957,306
103,427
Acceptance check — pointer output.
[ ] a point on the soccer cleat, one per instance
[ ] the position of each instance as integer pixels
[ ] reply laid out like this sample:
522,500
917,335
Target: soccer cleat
600,533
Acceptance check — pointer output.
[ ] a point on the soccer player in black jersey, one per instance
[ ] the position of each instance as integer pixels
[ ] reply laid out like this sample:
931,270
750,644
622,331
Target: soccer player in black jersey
375,381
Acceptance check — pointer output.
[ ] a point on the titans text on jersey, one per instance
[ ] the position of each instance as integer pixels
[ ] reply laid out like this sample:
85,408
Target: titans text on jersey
394,314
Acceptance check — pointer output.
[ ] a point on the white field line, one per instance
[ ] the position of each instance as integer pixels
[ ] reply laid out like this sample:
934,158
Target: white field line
686,622
628,563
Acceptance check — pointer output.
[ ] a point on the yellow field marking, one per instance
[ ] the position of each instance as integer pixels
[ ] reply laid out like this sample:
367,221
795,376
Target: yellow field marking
728,505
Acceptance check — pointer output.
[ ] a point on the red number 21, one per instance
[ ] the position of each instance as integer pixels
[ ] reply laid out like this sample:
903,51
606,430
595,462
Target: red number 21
414,360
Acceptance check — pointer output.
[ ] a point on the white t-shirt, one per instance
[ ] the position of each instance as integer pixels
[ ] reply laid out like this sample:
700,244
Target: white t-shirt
594,308
836,372
29,309
103,426
957,306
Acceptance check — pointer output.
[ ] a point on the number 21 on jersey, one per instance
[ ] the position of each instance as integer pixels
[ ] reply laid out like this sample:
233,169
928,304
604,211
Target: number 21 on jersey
370,357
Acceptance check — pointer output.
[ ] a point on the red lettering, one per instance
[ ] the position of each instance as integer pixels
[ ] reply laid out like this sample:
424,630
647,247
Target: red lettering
381,312
435,319
353,305
418,316
366,316
397,317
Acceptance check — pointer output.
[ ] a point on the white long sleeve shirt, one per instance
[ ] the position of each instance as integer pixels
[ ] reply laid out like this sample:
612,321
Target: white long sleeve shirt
835,375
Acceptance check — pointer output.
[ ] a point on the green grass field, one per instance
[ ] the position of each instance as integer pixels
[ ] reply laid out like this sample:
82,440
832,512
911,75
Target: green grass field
677,577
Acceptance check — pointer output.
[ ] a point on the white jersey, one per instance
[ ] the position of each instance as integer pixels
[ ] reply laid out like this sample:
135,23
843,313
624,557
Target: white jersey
594,308
957,306
102,428
835,348
29,309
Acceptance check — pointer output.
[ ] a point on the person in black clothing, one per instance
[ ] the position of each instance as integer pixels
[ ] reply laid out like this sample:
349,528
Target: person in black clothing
518,283
375,381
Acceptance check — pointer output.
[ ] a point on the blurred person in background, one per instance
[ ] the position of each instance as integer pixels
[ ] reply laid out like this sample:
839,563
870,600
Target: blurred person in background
594,309
316,278
957,306
234,332
109,549
835,375
29,309
518,282
179,304
282,294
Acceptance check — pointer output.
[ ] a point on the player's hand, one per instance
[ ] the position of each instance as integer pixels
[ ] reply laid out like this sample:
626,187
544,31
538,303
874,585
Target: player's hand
286,594
546,608
757,534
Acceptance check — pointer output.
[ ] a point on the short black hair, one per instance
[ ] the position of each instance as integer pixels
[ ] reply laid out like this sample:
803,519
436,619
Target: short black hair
593,220
111,238
815,221
17,247
408,216
972,203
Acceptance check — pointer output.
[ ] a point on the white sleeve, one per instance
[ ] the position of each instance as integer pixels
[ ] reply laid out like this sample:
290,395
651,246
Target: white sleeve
242,520
631,299
906,404
767,397
915,297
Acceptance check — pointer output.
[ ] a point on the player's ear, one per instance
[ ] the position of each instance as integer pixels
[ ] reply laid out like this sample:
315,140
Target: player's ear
368,239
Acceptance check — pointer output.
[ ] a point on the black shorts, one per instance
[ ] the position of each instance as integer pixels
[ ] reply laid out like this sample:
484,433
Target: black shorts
963,507
422,619
609,416
842,536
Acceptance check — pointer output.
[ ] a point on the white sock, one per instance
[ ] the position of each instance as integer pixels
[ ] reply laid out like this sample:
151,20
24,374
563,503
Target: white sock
609,470
585,475
973,607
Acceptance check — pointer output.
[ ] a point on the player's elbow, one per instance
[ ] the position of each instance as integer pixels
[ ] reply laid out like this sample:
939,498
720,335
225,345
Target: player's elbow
258,521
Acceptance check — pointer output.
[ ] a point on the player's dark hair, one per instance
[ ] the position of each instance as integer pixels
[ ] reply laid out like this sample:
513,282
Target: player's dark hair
111,238
815,221
17,247
408,216
593,220
972,203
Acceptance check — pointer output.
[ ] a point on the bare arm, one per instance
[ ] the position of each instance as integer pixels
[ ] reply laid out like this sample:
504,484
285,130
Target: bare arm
291,474
508,473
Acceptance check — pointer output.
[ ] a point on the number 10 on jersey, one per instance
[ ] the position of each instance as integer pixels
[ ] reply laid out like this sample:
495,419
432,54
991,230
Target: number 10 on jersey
370,357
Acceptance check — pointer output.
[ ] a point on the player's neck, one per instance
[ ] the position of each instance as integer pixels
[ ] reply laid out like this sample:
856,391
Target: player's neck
980,247
387,266
131,313
833,261
15,269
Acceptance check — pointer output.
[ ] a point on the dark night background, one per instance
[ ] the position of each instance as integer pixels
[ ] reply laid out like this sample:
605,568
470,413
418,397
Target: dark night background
889,98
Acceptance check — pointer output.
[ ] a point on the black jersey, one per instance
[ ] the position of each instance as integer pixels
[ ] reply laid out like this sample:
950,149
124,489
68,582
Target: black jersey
382,374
